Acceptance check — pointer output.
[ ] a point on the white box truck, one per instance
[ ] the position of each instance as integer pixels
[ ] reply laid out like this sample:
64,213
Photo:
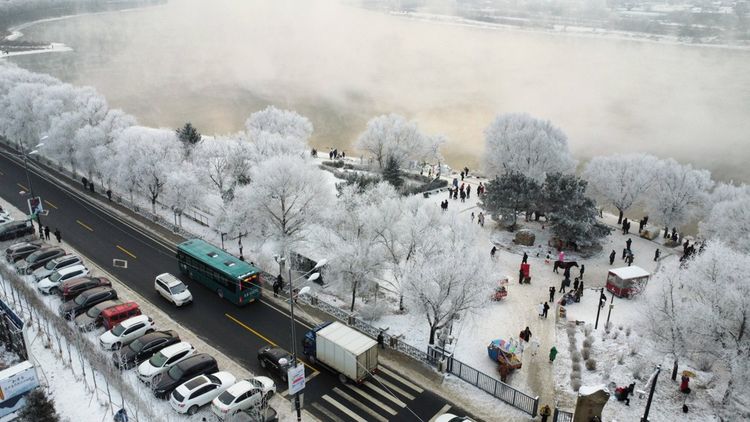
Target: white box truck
345,350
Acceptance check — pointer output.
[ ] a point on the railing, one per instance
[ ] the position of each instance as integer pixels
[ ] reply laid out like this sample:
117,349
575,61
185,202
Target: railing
562,416
11,331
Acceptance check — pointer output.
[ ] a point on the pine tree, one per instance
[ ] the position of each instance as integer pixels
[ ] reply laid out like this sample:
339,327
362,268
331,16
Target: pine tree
39,408
509,194
189,136
392,174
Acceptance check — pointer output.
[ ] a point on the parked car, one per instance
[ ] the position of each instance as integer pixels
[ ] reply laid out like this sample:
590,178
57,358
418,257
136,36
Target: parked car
51,284
275,359
117,314
21,250
82,303
449,417
56,264
163,360
243,395
72,288
172,289
126,331
16,229
5,218
92,318
38,259
269,414
195,365
200,391
141,349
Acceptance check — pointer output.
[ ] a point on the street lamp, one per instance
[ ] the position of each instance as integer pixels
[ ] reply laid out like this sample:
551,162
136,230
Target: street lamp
28,176
651,395
314,276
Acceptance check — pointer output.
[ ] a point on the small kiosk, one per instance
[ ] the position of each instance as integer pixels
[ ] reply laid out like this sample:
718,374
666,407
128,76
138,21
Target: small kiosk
627,281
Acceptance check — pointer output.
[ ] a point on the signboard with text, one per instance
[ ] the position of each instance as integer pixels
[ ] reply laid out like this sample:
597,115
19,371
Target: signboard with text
296,378
35,205
15,382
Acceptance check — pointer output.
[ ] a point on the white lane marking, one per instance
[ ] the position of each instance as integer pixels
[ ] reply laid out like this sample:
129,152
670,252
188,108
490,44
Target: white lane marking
344,409
329,415
385,394
393,387
401,380
440,412
372,399
360,405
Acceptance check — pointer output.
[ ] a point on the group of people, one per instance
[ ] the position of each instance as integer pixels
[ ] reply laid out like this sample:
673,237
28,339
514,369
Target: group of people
44,232
463,192
543,308
334,154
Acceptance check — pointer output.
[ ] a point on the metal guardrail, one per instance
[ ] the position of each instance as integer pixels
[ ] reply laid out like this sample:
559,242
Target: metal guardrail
562,416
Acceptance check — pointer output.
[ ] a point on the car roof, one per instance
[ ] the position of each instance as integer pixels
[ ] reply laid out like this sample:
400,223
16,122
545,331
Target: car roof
66,257
97,290
176,348
134,320
158,334
68,270
169,279
196,359
108,304
277,352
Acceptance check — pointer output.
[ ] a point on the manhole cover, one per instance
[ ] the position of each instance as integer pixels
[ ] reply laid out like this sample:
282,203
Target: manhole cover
120,263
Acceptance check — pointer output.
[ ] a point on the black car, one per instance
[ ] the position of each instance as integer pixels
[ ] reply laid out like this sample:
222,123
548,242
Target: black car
16,229
87,299
189,368
19,251
38,259
275,359
70,289
141,349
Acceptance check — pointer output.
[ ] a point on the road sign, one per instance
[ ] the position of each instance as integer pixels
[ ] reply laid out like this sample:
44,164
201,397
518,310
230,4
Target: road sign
35,205
296,378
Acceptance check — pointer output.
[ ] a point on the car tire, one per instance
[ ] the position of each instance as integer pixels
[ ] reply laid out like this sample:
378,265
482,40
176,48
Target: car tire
220,293
192,410
149,331
263,364
342,378
53,291
284,377
117,346
311,359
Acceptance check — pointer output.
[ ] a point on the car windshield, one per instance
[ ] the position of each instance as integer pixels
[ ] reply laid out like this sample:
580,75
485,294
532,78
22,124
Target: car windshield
176,372
136,346
178,289
55,277
80,299
213,379
117,331
94,312
50,265
158,360
226,398
256,383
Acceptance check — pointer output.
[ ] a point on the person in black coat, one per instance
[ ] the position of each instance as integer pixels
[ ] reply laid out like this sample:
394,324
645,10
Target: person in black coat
628,243
525,258
612,257
581,271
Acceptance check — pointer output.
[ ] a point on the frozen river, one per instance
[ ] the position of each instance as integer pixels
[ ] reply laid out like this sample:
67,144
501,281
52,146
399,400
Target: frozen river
214,63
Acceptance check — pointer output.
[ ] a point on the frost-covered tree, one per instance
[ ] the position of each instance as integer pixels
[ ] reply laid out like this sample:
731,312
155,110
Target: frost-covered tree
508,194
38,408
678,192
572,213
729,221
183,189
265,145
714,301
93,151
25,113
393,136
224,163
521,143
189,137
285,123
444,283
621,179
285,196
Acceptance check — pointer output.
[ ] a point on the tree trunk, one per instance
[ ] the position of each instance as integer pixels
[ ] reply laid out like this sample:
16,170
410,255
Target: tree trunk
433,329
401,302
674,370
153,205
354,296
619,218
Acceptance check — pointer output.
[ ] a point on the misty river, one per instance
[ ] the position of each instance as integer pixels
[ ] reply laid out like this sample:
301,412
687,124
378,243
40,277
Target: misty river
214,63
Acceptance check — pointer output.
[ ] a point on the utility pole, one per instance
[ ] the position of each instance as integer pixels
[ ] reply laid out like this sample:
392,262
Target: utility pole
611,305
599,307
651,395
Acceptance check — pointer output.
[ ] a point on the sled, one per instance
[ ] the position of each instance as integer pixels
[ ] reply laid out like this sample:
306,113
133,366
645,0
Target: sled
504,353
501,291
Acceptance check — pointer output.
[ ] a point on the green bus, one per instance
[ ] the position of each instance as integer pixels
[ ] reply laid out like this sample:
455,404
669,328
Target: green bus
230,277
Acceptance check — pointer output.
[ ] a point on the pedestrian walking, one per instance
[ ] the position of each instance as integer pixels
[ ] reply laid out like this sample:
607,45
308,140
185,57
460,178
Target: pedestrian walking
466,171
468,191
628,243
575,284
85,182
563,285
540,309
462,176
552,293
580,289
46,232
527,334
525,258
602,300
109,194
612,257
455,183
472,217
463,196
630,259
581,271
481,219
58,235
492,251
656,254
552,354
277,286
545,413
566,272
546,308
624,253
381,340
685,246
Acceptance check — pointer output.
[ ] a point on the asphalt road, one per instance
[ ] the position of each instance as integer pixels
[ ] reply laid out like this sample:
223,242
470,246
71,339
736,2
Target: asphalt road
237,332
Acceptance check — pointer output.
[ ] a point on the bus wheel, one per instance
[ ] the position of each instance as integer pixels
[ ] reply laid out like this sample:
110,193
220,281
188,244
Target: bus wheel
342,378
220,293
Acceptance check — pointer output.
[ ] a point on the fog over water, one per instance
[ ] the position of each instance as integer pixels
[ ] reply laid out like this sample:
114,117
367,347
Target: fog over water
215,62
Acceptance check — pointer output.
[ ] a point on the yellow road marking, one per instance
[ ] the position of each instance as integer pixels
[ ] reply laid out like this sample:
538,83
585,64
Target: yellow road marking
264,338
50,204
23,187
85,226
125,250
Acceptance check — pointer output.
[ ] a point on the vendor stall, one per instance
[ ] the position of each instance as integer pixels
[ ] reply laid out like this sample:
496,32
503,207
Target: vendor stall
627,281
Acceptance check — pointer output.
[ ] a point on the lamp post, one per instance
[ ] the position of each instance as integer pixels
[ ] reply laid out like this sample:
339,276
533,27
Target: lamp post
313,277
651,395
28,176
222,240
599,307
611,305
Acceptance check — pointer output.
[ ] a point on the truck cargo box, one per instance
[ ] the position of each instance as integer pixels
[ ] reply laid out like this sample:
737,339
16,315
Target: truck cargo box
347,351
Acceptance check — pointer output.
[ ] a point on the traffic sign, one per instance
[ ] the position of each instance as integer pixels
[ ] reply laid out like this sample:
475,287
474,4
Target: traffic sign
296,379
35,205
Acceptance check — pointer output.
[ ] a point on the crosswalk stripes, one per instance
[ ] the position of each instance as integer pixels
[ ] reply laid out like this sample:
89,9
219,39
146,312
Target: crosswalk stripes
441,412
372,399
385,394
328,414
401,380
343,408
360,405
393,387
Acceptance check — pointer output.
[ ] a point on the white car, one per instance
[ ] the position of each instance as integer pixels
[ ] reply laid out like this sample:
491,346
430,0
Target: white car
449,417
52,283
126,331
172,289
199,391
5,218
243,395
56,264
163,360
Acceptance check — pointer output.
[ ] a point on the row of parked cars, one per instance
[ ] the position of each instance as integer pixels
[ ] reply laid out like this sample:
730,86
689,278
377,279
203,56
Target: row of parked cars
169,366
